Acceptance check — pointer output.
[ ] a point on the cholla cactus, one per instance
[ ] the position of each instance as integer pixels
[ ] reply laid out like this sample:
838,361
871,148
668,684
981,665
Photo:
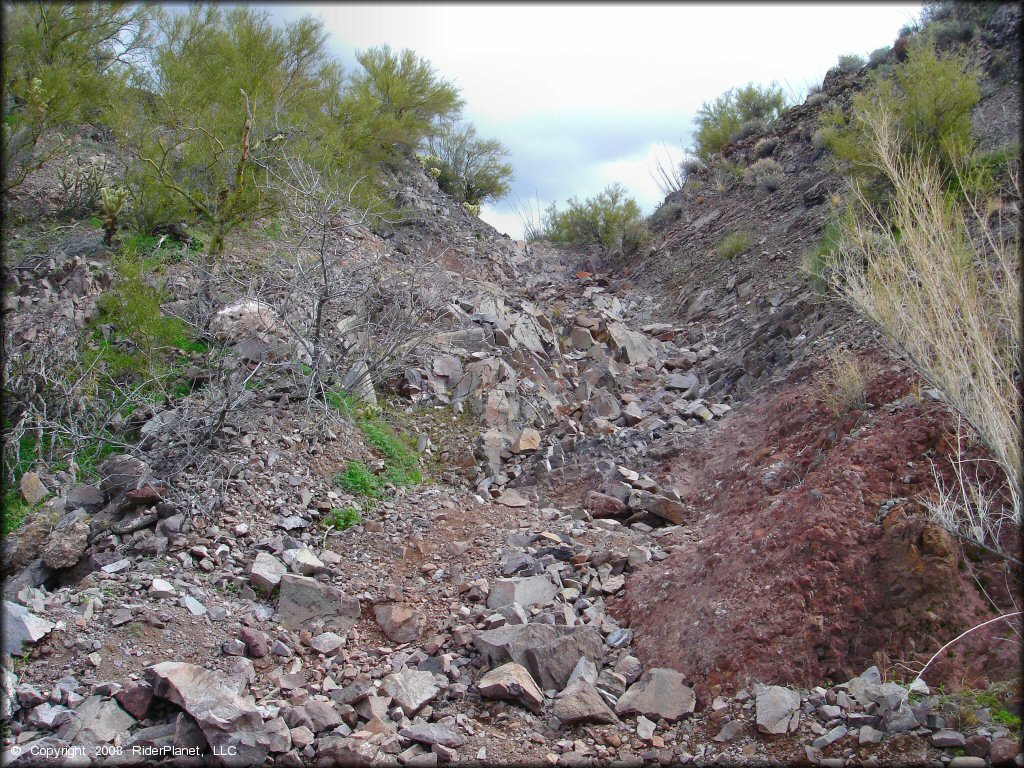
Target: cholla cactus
113,199
474,210
431,164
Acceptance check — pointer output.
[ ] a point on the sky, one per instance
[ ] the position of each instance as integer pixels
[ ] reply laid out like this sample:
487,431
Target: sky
586,95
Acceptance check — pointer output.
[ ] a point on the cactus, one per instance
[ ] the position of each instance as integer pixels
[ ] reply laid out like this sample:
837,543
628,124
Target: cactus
113,199
473,210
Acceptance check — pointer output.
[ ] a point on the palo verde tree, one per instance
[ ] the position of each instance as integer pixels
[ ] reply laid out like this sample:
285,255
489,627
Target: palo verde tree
732,115
62,63
226,90
470,169
394,103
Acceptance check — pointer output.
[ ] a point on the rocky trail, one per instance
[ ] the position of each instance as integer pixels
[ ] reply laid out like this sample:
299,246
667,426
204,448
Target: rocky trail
641,537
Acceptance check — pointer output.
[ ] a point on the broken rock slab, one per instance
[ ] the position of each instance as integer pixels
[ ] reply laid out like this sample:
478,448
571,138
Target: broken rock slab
580,702
511,682
67,541
401,623
21,626
552,664
659,693
306,602
778,710
531,590
266,572
102,720
231,724
411,689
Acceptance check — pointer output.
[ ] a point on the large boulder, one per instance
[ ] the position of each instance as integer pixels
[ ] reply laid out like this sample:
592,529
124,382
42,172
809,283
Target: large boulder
22,626
231,724
401,623
777,710
306,602
659,693
511,682
67,541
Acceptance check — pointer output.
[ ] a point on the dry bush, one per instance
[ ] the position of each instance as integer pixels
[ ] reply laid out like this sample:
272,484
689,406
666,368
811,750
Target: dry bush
942,280
761,169
844,381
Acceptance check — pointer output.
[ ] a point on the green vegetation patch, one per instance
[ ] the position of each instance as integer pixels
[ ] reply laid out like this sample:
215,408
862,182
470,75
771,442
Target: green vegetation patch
342,519
733,244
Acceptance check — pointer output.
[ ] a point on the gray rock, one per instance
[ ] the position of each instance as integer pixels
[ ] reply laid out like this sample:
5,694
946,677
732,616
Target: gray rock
685,383
231,724
102,720
432,733
778,710
511,682
659,693
644,728
668,509
266,572
552,664
868,735
305,602
900,719
87,497
966,761
632,346
327,643
21,626
401,623
411,689
303,562
731,731
585,670
831,737
948,738
581,338
580,702
66,543
122,473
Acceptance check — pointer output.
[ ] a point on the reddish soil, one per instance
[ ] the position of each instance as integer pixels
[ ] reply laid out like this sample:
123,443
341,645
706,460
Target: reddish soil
795,577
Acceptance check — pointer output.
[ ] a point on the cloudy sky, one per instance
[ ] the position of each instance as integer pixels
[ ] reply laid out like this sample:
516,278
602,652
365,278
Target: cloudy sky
584,95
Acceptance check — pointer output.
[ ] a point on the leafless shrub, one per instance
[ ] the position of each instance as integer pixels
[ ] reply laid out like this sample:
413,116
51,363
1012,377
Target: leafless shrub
942,281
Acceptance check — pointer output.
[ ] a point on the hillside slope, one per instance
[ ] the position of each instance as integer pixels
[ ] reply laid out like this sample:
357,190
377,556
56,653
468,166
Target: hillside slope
586,513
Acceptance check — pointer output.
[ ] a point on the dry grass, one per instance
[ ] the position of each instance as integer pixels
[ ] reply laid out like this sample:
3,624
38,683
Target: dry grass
942,281
844,381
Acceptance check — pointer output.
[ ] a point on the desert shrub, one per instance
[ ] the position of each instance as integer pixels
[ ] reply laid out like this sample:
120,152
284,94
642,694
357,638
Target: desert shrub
770,181
690,165
929,100
815,263
850,62
732,245
746,129
952,32
665,213
342,519
764,147
816,99
737,112
941,280
764,173
610,219
878,55
844,380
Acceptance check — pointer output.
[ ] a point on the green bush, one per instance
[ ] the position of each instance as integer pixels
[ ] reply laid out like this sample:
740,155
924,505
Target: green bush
733,244
358,480
816,260
736,113
930,97
878,55
342,519
610,219
850,62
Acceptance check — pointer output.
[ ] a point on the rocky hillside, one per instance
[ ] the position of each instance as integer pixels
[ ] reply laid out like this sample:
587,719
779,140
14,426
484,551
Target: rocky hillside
631,530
